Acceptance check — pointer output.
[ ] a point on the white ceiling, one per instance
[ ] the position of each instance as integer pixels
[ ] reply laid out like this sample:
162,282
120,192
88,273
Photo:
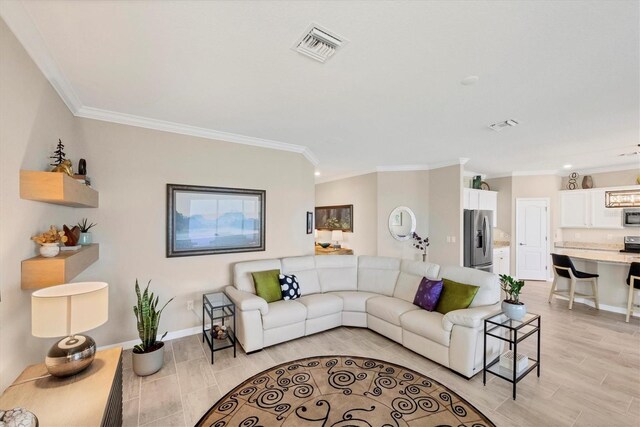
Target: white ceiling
568,71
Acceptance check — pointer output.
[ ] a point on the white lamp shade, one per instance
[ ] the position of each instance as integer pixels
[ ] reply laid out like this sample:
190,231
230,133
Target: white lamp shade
336,235
69,309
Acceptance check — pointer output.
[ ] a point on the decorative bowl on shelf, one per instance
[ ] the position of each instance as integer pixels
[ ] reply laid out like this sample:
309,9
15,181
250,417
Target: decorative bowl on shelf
324,245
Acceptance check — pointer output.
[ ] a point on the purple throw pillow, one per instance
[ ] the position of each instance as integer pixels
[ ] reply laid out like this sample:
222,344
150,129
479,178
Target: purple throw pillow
428,294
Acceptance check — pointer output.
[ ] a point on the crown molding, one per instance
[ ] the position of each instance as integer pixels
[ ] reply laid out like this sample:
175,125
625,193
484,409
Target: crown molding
166,126
425,167
21,24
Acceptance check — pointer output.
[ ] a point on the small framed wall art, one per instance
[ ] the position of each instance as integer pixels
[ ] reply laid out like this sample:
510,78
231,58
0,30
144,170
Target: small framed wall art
309,222
335,218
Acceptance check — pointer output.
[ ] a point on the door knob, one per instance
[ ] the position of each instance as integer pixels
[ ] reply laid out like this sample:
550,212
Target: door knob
521,244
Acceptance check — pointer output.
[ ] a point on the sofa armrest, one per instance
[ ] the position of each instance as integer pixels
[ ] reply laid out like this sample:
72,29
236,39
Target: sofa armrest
470,317
246,301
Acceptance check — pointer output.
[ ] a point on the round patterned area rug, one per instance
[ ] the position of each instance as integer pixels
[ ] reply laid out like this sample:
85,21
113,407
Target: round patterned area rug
342,391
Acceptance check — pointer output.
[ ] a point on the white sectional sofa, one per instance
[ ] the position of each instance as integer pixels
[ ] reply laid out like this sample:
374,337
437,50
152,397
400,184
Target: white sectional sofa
369,292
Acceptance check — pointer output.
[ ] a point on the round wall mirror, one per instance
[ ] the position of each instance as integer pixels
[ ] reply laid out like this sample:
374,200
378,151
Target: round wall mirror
402,223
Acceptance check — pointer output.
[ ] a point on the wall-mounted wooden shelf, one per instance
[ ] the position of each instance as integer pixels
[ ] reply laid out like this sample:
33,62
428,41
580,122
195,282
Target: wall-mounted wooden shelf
40,272
57,188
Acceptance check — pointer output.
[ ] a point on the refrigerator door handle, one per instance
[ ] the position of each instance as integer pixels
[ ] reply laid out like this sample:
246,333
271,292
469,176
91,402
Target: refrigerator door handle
486,235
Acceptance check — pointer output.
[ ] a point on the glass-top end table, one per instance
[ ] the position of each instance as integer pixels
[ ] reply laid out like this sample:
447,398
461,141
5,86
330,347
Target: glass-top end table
216,306
512,331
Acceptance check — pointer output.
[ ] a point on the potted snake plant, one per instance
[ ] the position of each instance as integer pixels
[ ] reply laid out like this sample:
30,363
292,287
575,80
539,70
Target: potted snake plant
511,305
148,356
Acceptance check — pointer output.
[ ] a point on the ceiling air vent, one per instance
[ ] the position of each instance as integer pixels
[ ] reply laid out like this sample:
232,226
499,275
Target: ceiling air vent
318,43
501,125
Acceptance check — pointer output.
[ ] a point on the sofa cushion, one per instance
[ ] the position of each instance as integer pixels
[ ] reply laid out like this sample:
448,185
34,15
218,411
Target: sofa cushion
354,300
304,267
378,274
428,294
319,305
389,309
411,273
427,324
489,283
267,285
283,313
242,278
455,296
289,286
337,272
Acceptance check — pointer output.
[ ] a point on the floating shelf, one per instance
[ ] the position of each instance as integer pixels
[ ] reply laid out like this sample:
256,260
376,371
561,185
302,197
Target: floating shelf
40,272
58,188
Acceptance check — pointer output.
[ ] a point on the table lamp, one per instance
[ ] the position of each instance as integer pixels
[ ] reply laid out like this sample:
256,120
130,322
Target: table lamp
336,236
66,310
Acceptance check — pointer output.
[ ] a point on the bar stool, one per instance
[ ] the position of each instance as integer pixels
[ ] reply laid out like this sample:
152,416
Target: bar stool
563,267
633,280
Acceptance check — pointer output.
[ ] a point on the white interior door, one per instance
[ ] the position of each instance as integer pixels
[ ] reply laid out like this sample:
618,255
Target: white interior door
532,239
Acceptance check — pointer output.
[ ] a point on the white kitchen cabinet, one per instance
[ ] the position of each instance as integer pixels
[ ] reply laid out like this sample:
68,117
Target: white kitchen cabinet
575,209
586,209
502,260
483,200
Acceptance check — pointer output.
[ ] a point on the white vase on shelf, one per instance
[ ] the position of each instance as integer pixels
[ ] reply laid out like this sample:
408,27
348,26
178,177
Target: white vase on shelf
49,250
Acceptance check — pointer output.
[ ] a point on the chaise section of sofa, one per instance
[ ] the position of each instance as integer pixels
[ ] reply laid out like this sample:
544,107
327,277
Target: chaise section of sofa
372,292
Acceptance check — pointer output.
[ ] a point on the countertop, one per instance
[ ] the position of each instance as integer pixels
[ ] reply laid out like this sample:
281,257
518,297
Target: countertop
615,257
501,244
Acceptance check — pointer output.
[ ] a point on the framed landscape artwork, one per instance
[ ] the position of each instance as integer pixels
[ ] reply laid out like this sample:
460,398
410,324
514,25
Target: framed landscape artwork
335,218
214,220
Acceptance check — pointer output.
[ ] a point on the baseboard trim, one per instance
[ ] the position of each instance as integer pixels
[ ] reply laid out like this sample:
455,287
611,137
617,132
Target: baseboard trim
170,336
605,307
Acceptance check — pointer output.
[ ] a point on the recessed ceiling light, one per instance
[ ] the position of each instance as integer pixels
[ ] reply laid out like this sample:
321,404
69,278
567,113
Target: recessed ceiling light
567,166
469,80
317,173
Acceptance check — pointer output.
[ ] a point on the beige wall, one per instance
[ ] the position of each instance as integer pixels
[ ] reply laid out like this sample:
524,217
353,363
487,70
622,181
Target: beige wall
130,167
361,192
609,179
446,215
410,189
32,118
503,187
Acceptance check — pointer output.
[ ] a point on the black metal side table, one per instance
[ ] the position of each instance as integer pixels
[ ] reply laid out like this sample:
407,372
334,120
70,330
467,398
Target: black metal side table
217,306
513,332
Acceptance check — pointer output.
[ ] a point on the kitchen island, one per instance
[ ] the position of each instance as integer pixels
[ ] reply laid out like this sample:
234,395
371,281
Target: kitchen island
612,267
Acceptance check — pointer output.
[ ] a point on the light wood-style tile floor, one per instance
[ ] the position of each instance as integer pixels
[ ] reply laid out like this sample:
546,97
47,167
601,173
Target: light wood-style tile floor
590,371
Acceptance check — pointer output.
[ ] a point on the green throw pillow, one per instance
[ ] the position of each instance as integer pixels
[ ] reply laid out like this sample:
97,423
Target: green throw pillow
455,296
267,285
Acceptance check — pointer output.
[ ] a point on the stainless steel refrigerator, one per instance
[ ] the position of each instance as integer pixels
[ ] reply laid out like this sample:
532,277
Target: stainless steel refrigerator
478,239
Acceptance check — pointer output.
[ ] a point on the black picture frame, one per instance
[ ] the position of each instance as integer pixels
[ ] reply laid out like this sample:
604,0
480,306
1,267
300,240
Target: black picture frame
226,220
338,217
309,222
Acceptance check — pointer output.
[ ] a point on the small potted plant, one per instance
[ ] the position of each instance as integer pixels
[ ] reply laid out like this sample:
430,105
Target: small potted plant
148,356
49,241
421,244
85,236
511,306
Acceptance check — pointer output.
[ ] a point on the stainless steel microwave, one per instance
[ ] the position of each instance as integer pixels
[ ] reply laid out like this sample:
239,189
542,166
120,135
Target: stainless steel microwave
631,217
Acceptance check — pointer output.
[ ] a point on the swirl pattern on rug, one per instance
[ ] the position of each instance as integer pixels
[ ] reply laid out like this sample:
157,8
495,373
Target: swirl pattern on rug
341,391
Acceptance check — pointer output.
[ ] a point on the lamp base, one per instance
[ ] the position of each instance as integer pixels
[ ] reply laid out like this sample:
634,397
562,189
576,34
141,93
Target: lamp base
70,355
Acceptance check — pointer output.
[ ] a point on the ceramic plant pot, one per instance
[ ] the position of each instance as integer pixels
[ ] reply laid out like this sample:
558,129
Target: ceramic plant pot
49,250
149,363
514,311
85,239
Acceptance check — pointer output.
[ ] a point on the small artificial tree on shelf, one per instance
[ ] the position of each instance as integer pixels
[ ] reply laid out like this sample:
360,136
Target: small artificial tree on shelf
59,155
